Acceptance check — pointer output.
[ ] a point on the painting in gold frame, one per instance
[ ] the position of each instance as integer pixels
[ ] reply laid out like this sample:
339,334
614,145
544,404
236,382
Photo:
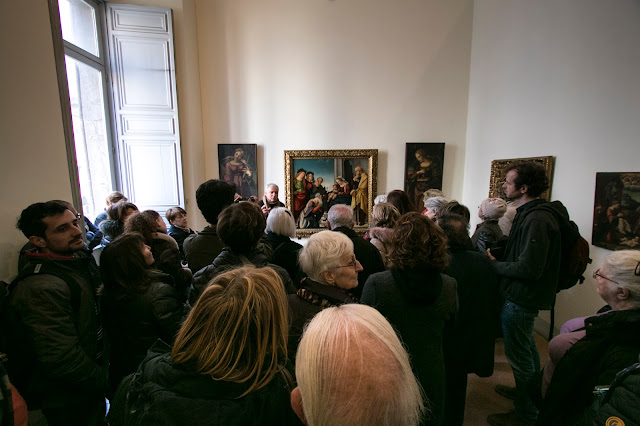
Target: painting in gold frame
499,171
315,180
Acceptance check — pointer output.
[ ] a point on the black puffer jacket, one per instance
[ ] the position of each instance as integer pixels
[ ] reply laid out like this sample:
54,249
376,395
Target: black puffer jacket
135,321
228,260
162,393
612,342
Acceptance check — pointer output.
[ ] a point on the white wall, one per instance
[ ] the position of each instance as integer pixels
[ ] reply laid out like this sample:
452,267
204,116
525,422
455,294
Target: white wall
33,164
319,74
556,77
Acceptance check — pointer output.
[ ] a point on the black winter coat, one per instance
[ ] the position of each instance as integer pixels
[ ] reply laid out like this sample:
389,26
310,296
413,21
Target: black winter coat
162,393
311,298
135,321
418,303
612,342
228,260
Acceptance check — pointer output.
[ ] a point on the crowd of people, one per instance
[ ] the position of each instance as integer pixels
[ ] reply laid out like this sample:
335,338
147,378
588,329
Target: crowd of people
238,324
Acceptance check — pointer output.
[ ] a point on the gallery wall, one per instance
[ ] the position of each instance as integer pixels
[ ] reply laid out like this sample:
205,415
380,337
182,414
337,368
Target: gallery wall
33,164
321,74
556,78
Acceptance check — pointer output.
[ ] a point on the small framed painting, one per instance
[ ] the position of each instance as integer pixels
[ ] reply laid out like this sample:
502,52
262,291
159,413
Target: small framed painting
238,166
422,170
616,211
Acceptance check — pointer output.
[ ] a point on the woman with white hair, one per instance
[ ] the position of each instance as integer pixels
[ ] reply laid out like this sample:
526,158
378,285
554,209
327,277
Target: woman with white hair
488,232
353,370
332,270
589,351
280,229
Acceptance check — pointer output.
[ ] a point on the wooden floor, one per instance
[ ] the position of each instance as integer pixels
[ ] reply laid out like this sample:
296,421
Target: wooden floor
482,399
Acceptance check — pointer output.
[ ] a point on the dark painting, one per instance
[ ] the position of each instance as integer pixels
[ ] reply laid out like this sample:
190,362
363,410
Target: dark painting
423,170
616,211
238,166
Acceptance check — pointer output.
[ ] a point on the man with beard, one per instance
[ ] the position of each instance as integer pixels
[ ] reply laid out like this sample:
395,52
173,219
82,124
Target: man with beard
53,323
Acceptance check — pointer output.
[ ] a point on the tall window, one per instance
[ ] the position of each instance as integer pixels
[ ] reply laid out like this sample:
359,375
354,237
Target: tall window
123,103
82,33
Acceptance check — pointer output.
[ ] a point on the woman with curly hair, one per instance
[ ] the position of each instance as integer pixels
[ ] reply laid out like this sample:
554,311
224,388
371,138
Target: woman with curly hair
226,365
418,300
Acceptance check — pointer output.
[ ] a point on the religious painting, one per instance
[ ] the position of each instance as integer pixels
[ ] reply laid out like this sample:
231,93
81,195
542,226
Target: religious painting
616,211
499,173
316,180
238,165
422,170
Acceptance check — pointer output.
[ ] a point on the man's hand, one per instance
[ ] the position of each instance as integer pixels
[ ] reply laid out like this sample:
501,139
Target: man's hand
491,257
265,210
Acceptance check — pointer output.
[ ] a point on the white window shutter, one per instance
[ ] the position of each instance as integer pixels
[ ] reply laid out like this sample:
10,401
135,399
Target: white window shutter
145,105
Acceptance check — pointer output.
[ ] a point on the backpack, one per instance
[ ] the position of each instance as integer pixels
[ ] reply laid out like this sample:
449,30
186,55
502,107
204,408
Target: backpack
574,251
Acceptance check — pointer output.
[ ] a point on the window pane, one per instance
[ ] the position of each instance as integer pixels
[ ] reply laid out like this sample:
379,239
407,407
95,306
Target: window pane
90,134
78,20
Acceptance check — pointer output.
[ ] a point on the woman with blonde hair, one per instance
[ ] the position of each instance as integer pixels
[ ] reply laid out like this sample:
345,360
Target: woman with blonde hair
226,363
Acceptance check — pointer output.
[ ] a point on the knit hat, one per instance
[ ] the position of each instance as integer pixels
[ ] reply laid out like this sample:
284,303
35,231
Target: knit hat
493,208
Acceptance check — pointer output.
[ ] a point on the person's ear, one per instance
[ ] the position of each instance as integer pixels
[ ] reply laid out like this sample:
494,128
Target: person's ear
329,225
328,277
39,242
622,293
524,189
296,404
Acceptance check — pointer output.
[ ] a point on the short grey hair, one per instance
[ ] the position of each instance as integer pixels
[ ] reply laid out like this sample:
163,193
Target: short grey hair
340,215
323,252
382,198
434,203
348,352
269,185
280,222
621,268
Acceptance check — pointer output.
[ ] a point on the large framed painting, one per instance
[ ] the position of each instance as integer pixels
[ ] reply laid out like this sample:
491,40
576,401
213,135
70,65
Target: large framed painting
238,165
423,166
616,211
316,180
499,172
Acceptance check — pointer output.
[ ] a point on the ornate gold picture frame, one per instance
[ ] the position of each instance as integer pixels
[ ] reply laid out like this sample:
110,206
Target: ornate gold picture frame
499,171
315,180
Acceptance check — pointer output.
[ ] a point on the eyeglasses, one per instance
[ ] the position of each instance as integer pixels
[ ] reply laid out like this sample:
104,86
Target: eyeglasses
353,264
597,274
637,271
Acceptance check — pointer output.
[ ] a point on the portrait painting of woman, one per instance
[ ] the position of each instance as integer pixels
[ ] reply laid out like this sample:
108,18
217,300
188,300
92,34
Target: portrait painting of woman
423,170
237,164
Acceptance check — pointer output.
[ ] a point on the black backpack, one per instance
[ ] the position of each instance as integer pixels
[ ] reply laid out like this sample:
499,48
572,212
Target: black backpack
574,251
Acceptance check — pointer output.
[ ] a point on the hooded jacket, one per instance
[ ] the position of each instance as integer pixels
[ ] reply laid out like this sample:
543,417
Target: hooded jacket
529,272
418,302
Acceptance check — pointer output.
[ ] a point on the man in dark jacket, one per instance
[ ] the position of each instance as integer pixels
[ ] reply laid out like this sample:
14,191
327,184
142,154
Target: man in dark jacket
469,343
53,321
528,281
200,249
340,219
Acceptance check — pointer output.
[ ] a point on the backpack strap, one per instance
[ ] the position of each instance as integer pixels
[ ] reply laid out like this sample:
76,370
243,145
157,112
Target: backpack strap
45,268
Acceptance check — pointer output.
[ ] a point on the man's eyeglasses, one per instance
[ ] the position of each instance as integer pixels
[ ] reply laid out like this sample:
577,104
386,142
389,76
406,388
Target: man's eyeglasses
353,264
637,271
597,274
